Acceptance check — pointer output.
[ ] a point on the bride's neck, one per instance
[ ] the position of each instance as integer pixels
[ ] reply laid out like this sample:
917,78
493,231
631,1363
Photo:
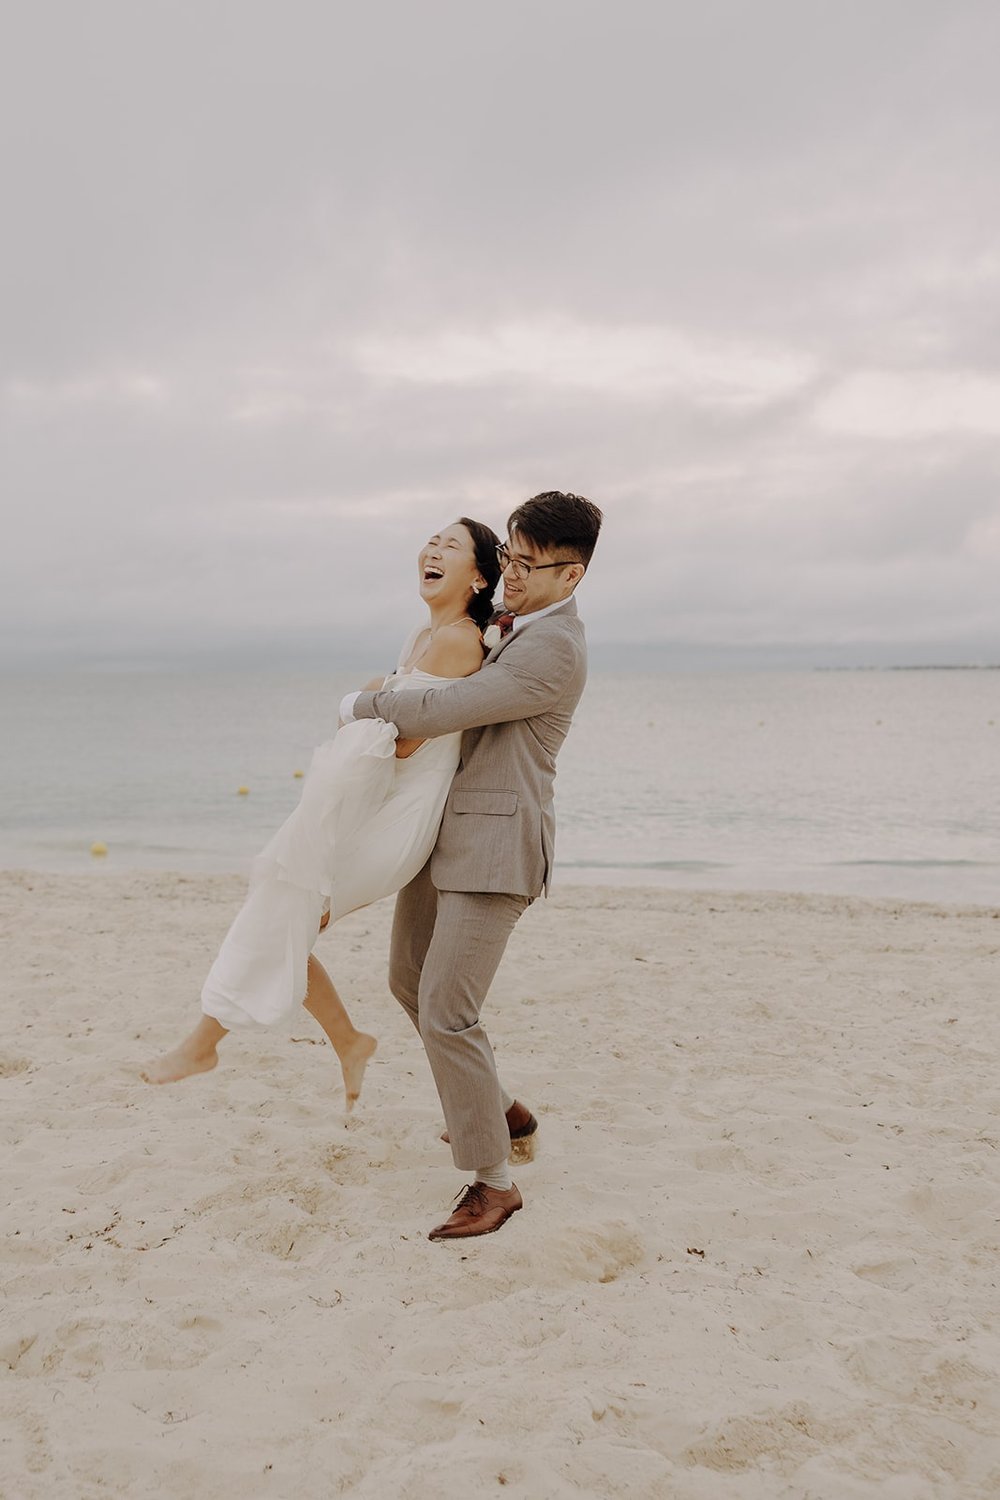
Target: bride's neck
445,614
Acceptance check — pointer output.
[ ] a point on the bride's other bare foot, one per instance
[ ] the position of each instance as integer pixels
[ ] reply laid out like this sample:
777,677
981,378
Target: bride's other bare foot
354,1058
196,1054
182,1062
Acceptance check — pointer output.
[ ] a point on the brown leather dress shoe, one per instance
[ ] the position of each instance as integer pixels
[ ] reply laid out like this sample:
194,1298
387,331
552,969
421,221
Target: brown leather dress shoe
522,1125
481,1210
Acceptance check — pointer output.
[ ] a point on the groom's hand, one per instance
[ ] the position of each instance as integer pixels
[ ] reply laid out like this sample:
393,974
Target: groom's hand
371,686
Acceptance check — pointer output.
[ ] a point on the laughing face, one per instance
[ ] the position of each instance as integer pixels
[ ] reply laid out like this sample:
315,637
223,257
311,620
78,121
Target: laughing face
536,577
447,569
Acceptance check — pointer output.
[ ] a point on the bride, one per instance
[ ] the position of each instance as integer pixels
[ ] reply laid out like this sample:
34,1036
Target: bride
365,826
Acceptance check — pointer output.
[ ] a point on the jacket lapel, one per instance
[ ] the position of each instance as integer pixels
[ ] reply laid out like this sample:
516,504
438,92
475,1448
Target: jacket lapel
567,608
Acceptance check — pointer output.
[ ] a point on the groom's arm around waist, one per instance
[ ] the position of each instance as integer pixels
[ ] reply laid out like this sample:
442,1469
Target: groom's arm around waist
527,679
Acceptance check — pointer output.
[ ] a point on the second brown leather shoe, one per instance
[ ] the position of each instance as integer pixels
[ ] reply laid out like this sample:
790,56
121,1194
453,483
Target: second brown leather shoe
520,1122
480,1210
522,1126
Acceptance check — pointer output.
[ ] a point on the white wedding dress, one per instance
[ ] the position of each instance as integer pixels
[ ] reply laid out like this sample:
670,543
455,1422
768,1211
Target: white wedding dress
364,827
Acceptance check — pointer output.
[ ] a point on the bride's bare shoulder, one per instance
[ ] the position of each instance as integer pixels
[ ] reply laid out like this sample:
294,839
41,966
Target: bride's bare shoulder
454,651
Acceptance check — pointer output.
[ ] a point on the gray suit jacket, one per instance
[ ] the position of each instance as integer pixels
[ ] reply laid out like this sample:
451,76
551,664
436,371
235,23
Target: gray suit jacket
498,830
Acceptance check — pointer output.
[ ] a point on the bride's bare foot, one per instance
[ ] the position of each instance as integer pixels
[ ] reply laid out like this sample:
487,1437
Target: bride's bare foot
354,1057
196,1054
182,1062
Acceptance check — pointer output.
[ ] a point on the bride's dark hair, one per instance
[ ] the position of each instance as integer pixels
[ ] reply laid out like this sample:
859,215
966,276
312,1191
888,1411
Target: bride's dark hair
485,543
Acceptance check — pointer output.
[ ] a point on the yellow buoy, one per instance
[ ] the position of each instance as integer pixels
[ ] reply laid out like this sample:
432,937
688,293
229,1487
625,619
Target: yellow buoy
98,848
298,775
242,791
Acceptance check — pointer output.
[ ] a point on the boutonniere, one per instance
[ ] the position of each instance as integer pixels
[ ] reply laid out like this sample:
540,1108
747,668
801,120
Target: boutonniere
498,631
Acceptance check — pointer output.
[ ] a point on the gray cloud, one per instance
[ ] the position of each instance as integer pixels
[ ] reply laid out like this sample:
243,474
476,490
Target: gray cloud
286,287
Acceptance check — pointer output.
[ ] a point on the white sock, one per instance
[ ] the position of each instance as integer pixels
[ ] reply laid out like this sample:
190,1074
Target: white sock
496,1177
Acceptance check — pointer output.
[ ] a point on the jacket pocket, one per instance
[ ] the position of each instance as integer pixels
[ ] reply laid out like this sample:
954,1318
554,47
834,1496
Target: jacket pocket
500,804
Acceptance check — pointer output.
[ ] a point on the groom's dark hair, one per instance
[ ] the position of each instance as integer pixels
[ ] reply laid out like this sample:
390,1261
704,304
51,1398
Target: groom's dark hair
559,521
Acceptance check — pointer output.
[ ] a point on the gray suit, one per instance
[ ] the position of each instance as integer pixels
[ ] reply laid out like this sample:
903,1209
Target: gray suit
492,858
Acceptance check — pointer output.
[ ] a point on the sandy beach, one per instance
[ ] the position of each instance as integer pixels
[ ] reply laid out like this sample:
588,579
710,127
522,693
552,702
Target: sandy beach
758,1256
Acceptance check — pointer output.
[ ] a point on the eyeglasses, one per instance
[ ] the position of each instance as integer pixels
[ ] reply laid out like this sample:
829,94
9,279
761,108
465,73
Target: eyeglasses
522,569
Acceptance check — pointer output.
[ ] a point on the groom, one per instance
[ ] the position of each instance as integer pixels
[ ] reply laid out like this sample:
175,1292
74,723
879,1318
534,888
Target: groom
494,851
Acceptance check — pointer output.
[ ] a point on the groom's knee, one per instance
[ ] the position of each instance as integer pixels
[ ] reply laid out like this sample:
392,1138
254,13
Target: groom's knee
405,991
447,1025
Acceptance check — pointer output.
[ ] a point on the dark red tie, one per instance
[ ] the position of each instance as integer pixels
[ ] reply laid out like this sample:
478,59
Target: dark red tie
506,623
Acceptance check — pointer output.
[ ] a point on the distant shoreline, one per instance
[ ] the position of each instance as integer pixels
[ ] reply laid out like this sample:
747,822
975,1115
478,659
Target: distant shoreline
640,659
958,666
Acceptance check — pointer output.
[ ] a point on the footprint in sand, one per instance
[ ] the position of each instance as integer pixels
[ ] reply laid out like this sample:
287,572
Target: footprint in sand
436,1408
599,1253
895,1274
786,1435
11,1066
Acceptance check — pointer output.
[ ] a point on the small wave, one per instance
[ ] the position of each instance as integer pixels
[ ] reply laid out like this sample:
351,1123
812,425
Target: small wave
919,864
642,864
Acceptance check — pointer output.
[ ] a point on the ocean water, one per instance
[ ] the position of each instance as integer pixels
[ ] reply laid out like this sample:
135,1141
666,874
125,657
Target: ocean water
872,783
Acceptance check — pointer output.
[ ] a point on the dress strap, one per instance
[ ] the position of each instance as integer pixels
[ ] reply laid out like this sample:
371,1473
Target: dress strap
408,645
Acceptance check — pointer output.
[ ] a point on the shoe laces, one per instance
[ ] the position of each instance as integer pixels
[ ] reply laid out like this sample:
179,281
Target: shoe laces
472,1197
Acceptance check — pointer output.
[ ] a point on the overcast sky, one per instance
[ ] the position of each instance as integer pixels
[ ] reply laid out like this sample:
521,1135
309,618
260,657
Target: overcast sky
287,286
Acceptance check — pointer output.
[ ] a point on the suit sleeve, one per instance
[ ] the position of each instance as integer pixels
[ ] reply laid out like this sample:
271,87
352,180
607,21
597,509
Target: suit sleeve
526,679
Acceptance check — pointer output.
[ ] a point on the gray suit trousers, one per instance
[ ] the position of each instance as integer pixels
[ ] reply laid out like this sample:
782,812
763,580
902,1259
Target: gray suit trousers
446,948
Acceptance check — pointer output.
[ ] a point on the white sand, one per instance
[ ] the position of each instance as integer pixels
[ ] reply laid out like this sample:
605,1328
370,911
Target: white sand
758,1256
